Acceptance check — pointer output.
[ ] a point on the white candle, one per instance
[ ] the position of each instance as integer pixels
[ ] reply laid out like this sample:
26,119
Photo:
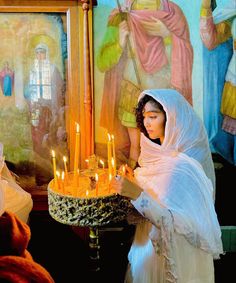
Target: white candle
109,154
54,168
114,151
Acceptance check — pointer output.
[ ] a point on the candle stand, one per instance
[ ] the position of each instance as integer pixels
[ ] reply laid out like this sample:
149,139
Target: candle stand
92,212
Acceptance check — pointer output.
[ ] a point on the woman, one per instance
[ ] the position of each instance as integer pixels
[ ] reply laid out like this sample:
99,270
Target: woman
173,188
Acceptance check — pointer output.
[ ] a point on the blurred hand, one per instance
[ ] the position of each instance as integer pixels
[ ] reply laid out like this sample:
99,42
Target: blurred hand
156,28
123,33
125,187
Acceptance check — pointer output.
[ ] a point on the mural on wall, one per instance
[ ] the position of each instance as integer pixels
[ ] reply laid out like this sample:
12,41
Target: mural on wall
218,33
119,67
146,44
32,93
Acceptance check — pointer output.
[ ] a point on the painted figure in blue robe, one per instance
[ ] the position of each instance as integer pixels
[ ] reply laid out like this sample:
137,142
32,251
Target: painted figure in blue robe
7,80
218,33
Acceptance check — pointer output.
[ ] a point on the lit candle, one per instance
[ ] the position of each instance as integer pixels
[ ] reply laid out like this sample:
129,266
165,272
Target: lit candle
114,151
77,148
113,166
123,170
54,168
96,178
87,193
109,154
65,168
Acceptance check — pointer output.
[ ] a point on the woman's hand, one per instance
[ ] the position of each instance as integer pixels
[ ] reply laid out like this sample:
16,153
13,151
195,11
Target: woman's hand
123,33
206,4
125,187
156,28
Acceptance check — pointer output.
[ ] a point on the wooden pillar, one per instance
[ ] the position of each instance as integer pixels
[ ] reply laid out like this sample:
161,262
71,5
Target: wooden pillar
87,98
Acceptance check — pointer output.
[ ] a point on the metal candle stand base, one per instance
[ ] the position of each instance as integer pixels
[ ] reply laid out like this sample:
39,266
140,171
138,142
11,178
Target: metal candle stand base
94,248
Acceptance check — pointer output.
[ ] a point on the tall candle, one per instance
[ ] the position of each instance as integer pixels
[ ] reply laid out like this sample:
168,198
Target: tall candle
109,154
113,166
114,152
54,167
77,148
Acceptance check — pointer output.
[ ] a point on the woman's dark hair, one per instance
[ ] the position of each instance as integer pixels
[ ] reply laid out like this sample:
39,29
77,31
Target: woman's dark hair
139,111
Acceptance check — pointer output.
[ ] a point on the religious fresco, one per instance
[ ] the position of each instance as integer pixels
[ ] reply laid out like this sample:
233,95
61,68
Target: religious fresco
121,72
32,92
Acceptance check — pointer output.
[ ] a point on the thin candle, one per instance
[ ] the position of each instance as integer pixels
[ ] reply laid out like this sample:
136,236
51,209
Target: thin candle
65,168
109,154
114,151
113,166
77,148
54,167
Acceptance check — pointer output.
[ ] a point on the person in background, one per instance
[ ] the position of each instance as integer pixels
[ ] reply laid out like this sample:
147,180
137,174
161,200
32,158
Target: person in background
16,200
146,45
173,188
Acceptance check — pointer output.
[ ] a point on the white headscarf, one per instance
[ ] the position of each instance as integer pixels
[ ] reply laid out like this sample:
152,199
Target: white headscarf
173,172
184,131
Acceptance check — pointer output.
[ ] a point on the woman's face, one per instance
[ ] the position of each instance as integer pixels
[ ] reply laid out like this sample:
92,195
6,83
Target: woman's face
154,121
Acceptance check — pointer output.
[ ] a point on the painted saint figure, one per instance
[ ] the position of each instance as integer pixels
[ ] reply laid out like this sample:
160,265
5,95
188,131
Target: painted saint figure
146,45
218,33
7,80
45,95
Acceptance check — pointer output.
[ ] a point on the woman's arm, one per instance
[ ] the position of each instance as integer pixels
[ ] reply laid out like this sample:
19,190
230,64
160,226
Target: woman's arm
143,202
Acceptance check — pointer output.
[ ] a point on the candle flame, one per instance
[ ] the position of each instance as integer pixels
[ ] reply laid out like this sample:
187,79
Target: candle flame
112,137
63,175
96,177
87,192
64,159
112,162
101,161
53,153
58,174
109,137
123,169
77,128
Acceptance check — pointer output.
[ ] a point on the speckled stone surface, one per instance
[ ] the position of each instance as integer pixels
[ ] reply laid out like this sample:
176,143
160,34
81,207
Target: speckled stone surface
90,212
